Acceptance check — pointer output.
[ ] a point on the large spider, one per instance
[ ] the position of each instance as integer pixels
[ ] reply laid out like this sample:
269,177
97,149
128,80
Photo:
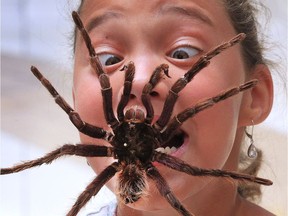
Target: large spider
135,141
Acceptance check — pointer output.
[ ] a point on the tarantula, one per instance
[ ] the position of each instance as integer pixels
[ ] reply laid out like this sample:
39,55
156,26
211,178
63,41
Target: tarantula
135,141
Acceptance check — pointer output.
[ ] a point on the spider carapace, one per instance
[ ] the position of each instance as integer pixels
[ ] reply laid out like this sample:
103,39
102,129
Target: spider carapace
137,138
131,138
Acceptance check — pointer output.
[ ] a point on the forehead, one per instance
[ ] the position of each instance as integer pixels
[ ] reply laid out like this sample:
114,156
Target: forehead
200,8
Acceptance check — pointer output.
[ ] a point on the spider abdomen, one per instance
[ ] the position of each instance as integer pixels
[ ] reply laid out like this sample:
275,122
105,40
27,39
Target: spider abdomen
132,183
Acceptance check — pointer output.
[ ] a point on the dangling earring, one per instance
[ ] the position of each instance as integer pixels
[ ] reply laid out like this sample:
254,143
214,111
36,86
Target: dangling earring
252,150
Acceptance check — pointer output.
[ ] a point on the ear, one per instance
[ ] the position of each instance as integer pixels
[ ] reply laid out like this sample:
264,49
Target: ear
257,102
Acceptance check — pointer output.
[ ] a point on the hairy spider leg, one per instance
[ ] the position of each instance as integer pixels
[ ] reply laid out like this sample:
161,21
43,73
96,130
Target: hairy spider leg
129,76
180,118
84,150
83,127
147,89
179,165
180,84
93,188
165,191
104,80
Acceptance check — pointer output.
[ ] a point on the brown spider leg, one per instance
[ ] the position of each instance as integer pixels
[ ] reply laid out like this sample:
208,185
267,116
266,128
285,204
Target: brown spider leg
129,76
93,188
104,80
180,84
154,79
180,118
179,165
165,191
84,150
83,127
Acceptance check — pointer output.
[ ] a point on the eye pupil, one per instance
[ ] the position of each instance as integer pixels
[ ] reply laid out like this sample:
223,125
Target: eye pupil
180,54
112,60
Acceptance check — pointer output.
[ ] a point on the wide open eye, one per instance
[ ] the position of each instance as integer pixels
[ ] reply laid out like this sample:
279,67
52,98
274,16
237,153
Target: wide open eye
183,52
107,59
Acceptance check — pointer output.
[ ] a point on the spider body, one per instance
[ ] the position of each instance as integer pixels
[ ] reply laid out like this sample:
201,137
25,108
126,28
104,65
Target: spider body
136,138
134,141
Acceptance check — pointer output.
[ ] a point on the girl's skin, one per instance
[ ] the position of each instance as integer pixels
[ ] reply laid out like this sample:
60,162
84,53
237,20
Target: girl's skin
164,31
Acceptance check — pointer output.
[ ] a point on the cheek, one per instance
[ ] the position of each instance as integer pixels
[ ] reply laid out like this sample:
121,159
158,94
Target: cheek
215,131
212,131
88,98
211,140
88,103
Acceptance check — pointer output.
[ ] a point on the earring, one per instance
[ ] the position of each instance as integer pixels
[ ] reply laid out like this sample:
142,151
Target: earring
252,150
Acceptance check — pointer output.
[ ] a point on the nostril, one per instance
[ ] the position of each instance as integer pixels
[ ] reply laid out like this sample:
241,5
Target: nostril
132,96
154,94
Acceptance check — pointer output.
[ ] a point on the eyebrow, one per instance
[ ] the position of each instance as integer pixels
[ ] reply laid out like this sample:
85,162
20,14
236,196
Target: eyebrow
189,12
98,20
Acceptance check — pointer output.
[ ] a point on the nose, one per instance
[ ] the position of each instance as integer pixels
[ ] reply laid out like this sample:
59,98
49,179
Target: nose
149,80
149,85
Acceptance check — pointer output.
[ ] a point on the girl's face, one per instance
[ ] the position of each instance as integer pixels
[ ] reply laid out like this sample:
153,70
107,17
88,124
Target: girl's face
175,32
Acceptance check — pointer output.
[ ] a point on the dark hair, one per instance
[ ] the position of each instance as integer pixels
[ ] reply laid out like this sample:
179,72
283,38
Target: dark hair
242,14
243,18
